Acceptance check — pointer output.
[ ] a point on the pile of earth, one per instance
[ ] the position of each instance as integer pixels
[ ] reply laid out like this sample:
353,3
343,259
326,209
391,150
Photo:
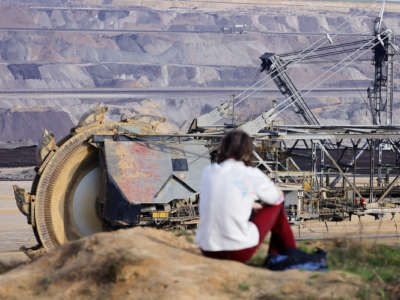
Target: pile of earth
18,157
26,124
146,263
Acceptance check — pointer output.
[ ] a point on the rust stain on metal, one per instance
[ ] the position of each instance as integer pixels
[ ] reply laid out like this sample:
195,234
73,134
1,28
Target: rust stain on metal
137,172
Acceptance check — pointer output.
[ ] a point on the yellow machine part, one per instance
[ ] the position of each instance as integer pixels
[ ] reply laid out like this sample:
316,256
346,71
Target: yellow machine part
67,189
68,184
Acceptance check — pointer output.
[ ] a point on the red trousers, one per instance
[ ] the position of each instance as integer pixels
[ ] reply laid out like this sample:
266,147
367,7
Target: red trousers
268,218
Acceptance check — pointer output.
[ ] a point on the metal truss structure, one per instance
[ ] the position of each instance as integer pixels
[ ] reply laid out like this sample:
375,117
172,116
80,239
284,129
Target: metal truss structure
335,171
368,179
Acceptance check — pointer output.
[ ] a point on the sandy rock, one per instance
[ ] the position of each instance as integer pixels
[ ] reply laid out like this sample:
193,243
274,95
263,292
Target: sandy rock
355,219
367,218
143,263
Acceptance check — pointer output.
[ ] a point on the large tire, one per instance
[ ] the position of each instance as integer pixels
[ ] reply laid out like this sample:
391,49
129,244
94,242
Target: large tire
67,190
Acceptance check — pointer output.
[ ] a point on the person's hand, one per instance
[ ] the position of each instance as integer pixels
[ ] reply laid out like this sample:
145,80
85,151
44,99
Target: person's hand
256,207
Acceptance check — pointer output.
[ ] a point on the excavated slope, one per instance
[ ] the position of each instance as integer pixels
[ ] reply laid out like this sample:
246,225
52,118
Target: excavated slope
175,44
26,124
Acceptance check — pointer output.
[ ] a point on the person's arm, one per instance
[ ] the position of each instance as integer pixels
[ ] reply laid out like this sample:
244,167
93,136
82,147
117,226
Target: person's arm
256,207
266,190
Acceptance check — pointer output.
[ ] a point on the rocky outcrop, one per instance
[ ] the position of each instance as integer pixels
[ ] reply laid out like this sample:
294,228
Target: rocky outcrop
144,263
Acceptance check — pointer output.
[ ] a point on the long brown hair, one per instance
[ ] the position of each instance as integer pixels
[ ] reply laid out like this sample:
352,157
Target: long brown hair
236,144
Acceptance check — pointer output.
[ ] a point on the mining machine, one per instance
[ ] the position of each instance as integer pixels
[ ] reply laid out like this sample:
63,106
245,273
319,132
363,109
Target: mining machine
110,175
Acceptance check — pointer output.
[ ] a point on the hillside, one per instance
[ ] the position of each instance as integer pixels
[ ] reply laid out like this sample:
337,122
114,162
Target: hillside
168,46
144,263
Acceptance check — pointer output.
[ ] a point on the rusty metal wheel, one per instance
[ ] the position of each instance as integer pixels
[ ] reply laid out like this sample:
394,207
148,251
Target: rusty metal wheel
67,190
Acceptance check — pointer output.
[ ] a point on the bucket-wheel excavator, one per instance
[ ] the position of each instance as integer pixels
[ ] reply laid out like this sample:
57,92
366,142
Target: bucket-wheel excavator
105,176
110,175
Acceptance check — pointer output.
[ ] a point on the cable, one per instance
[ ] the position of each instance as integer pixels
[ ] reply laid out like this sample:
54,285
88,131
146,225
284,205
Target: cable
270,79
261,83
327,47
323,74
280,73
295,61
316,79
127,30
358,89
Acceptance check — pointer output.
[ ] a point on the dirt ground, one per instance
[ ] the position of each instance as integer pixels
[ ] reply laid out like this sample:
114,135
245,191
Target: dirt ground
145,263
14,230
385,230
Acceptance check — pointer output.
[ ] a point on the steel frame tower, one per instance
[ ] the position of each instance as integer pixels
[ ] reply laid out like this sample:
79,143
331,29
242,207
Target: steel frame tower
380,94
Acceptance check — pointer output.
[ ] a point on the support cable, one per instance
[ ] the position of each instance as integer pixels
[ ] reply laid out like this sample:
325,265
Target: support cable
306,51
263,82
304,54
315,82
268,79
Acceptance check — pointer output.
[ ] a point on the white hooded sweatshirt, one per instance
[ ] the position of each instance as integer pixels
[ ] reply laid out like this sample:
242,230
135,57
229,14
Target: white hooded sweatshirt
227,193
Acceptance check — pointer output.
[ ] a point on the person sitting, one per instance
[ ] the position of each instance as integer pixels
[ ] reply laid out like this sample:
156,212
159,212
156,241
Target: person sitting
228,193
